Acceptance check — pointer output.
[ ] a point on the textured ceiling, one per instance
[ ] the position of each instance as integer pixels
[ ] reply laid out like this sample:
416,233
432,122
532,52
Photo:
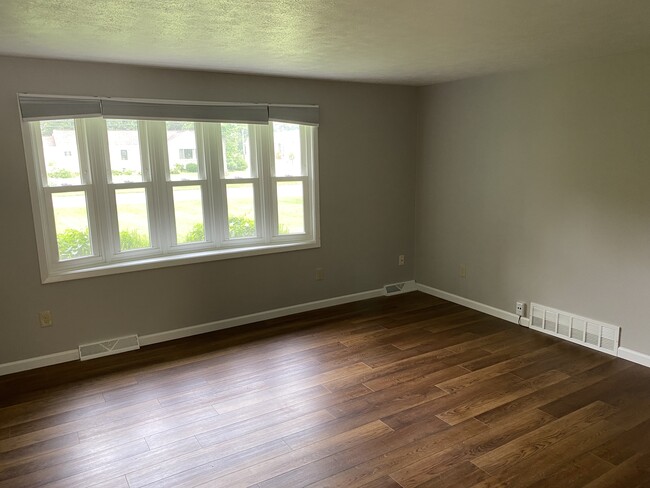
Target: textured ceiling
408,41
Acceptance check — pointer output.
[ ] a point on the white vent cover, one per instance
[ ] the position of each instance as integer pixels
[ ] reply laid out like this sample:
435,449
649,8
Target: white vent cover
106,348
581,330
397,288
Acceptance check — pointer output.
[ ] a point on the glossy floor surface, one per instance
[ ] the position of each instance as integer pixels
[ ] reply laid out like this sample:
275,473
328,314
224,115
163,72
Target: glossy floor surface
403,391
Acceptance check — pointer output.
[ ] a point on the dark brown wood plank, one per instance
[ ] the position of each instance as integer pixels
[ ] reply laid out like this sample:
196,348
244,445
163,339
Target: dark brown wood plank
392,392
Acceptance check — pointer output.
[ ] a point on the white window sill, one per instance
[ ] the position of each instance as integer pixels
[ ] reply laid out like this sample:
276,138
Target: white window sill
175,260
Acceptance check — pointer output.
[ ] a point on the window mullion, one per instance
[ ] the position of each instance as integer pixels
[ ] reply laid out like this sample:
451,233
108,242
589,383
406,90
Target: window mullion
217,177
95,169
211,141
265,153
257,162
203,155
158,160
147,163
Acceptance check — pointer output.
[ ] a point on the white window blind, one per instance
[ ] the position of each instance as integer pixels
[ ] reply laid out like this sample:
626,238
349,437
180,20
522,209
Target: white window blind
44,107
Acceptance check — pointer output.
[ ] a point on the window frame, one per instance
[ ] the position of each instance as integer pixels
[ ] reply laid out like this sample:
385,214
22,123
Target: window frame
306,148
95,168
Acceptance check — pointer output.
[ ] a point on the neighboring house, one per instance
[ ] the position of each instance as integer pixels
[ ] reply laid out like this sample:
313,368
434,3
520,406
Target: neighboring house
181,147
287,150
60,151
124,150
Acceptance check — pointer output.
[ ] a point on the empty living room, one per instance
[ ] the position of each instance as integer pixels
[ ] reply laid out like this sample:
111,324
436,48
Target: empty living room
324,243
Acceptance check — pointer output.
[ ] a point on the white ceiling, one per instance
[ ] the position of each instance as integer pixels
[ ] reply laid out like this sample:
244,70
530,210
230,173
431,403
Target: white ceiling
393,41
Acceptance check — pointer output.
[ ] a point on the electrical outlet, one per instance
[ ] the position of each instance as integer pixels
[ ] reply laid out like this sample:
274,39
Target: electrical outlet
401,260
45,318
320,274
462,272
520,309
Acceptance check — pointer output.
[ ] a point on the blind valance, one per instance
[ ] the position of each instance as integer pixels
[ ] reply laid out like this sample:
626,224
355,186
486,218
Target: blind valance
42,107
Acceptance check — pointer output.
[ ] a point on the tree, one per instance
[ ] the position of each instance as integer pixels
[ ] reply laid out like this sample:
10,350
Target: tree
234,137
122,124
49,126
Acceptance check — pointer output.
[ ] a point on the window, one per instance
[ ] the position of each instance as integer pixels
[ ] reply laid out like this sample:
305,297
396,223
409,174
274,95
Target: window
186,153
114,193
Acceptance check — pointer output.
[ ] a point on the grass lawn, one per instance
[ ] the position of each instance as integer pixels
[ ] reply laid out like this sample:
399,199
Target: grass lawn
70,208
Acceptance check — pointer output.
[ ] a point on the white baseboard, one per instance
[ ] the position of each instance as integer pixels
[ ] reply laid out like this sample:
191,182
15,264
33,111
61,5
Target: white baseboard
634,356
623,352
466,302
73,355
170,335
39,362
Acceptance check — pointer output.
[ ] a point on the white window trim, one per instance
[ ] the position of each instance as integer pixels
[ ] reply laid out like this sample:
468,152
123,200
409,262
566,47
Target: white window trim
107,261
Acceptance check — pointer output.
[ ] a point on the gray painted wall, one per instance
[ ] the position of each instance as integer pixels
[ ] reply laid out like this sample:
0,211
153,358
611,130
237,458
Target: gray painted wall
539,183
367,142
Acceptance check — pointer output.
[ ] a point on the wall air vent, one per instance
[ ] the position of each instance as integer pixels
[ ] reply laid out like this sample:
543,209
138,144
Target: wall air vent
587,332
397,288
106,348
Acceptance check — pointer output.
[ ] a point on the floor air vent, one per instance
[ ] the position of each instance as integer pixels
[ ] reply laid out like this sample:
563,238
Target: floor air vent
581,330
106,348
396,288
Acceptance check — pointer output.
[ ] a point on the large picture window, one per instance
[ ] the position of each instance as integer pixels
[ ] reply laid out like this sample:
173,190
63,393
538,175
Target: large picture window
121,185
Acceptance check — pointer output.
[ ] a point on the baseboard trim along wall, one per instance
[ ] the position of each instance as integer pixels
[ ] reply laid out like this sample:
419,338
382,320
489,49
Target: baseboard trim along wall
466,302
634,356
623,352
73,355
170,335
39,362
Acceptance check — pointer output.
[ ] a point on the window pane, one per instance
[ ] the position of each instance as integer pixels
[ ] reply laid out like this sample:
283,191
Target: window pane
188,210
71,225
291,210
132,218
124,151
236,150
181,148
60,152
241,210
286,141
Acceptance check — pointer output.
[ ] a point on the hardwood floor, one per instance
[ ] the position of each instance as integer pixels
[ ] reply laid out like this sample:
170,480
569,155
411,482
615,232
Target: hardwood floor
403,391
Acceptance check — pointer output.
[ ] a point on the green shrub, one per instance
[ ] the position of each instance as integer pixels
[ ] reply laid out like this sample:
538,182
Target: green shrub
61,173
241,227
236,163
238,227
197,234
132,239
73,244
122,172
192,167
177,169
